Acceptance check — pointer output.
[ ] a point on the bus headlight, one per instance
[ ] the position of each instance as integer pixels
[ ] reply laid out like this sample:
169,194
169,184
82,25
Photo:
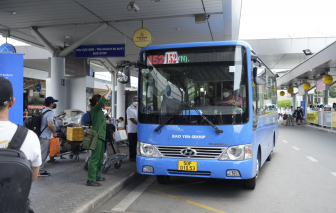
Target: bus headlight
241,152
148,150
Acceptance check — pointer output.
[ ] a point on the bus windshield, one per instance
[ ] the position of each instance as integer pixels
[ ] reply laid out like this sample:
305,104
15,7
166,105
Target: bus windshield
183,83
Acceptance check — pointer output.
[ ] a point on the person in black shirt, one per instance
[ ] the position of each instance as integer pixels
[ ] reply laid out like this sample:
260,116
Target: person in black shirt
300,116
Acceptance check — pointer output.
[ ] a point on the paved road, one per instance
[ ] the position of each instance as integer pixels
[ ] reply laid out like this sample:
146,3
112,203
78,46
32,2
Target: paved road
300,178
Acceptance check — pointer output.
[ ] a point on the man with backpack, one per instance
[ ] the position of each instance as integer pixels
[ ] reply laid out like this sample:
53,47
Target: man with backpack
48,131
15,140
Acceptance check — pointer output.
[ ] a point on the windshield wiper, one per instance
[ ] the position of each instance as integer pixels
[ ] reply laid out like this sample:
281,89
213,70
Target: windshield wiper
218,131
158,129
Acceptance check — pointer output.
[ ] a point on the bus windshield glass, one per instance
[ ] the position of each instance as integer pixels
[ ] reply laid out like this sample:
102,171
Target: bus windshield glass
181,84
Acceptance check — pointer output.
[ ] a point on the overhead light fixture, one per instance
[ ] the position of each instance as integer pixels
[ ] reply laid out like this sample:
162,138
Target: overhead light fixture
67,36
133,6
12,12
156,0
307,52
200,18
176,29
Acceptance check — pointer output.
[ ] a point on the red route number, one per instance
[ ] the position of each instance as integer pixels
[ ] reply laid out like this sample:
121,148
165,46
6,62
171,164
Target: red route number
156,59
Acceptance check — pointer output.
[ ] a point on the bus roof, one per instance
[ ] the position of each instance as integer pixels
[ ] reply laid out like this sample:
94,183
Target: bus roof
196,44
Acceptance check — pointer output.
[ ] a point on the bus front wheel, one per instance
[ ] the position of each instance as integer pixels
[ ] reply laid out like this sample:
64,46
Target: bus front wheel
251,183
162,179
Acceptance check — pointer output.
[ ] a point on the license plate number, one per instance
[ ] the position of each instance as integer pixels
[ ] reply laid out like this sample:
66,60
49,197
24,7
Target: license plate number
187,165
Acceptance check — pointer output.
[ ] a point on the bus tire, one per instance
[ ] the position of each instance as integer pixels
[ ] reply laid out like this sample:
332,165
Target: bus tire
270,156
162,179
251,183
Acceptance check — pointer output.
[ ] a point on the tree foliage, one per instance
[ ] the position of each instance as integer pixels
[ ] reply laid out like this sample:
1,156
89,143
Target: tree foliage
285,103
332,92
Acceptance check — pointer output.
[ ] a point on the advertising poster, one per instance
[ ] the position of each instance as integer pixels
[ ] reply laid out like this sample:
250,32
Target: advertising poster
312,117
11,67
333,121
320,85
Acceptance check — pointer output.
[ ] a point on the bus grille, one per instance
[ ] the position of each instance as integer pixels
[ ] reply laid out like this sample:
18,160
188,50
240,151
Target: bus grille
211,153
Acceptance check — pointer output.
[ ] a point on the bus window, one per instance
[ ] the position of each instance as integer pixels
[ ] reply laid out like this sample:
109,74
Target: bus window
213,82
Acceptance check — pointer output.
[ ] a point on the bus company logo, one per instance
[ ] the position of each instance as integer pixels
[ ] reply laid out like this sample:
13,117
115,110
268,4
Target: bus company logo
198,136
189,136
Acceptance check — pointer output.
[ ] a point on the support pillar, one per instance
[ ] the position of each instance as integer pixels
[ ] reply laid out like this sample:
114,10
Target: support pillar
304,98
326,95
294,101
57,83
121,102
57,71
113,77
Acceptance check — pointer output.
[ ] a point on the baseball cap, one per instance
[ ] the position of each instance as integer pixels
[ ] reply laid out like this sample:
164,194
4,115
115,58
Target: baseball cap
6,91
50,100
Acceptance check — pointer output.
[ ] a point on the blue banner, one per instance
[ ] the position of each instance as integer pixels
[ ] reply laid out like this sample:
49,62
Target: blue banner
303,105
11,67
101,50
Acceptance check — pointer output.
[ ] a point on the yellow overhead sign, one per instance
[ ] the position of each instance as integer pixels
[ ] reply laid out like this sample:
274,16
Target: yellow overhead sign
142,37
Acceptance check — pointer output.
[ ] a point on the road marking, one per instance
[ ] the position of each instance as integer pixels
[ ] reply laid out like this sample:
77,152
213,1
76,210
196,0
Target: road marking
294,147
312,159
132,196
171,187
189,201
334,173
285,141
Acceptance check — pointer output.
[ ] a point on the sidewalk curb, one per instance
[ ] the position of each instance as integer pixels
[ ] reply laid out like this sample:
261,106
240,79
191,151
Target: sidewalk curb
99,200
321,129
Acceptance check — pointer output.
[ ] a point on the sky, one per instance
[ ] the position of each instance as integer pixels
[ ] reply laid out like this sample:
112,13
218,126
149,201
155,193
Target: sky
264,19
12,42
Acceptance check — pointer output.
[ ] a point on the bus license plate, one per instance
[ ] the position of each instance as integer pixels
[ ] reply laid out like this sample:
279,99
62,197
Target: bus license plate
187,165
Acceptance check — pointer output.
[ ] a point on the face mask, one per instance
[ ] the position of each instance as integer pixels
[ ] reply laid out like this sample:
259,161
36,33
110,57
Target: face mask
226,94
135,104
55,105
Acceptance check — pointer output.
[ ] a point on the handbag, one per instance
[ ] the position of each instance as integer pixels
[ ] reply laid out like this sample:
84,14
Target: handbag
54,147
90,139
120,136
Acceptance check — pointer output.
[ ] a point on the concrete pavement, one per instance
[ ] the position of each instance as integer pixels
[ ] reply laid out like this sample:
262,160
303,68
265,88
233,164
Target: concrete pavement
66,191
300,178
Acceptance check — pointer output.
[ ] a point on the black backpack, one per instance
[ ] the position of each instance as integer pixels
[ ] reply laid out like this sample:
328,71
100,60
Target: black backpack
34,123
16,175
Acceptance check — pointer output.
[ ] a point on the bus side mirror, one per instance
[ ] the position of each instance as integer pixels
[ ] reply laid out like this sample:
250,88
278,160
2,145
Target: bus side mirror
259,74
124,75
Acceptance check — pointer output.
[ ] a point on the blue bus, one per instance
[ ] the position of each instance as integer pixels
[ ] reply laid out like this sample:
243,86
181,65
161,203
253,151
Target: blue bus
206,110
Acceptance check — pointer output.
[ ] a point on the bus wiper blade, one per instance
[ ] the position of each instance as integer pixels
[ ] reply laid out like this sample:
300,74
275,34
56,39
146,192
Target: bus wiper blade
157,130
218,131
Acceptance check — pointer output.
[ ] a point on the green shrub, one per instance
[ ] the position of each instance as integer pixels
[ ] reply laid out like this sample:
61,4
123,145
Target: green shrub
285,103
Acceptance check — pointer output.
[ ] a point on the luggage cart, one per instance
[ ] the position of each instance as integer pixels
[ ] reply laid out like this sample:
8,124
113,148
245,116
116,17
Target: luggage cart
112,157
71,148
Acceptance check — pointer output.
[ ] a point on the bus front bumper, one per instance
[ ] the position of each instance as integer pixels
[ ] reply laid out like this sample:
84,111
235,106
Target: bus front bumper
205,168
